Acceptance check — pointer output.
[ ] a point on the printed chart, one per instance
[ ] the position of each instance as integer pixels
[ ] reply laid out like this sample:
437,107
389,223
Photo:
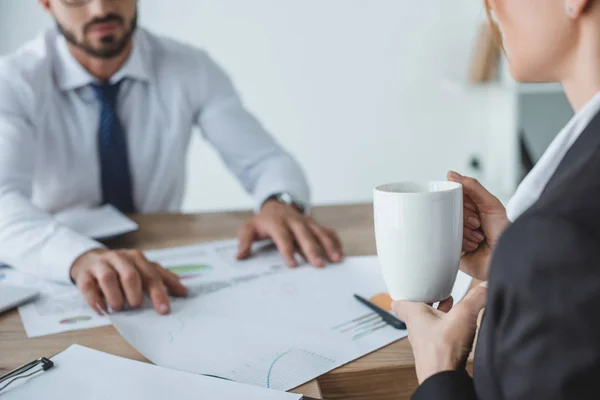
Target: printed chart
362,326
190,271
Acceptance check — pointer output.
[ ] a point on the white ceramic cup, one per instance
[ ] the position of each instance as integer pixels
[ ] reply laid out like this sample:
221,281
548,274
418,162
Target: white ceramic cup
419,230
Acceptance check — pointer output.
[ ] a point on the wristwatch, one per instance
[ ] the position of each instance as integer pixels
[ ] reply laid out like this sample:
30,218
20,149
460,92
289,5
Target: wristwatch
286,198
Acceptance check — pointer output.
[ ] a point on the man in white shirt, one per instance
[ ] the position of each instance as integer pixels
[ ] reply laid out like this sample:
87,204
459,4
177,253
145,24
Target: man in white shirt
97,111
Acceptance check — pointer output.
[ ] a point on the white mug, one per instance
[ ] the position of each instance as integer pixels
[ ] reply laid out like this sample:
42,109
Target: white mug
419,231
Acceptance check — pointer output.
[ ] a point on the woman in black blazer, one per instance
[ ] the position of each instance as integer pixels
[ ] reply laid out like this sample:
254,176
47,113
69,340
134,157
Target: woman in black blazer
540,333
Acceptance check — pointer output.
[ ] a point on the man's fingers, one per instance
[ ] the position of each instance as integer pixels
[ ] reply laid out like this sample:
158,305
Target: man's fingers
338,243
155,287
446,305
246,237
329,241
172,282
283,239
308,243
158,294
108,280
131,280
91,293
474,301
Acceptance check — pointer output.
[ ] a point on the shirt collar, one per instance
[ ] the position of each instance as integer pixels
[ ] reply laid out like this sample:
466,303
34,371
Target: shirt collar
532,187
71,75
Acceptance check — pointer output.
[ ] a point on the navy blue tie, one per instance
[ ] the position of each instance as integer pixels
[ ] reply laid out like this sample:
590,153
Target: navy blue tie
112,148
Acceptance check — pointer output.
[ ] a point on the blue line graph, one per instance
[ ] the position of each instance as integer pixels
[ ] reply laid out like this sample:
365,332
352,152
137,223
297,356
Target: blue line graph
272,365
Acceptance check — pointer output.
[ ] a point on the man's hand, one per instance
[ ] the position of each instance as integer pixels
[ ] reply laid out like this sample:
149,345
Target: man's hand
291,232
442,338
119,276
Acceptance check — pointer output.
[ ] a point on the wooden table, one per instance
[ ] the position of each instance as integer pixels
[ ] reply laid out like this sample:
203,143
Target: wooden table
383,375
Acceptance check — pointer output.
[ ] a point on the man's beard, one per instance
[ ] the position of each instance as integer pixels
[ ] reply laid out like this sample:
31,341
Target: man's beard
115,49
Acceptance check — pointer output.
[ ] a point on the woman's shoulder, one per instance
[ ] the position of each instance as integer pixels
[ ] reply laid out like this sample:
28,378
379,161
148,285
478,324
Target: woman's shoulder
573,195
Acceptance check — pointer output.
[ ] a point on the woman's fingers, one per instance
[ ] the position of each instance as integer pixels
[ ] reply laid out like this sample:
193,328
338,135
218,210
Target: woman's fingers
469,246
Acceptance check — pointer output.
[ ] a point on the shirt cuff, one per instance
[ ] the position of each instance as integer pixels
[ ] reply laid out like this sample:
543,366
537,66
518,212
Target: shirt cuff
447,385
61,251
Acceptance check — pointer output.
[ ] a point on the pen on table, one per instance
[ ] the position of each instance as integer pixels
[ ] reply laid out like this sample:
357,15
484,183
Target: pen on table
386,316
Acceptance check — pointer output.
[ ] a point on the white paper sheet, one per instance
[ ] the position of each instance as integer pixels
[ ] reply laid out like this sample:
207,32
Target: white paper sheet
97,223
59,308
85,374
271,327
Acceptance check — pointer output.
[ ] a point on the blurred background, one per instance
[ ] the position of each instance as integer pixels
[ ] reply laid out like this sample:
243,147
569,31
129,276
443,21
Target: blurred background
361,92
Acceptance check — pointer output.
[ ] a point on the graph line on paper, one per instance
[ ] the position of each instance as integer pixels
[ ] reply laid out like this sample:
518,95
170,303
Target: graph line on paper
373,328
362,326
357,325
353,321
272,365
293,364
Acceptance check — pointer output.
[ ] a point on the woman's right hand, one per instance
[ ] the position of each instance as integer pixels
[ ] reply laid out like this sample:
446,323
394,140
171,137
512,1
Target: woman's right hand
484,221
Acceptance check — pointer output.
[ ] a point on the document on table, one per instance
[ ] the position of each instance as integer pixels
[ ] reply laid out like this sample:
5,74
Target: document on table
267,326
81,373
59,308
98,223
62,308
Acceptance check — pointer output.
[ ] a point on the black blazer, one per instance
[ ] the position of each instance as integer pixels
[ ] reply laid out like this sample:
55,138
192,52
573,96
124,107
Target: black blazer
540,334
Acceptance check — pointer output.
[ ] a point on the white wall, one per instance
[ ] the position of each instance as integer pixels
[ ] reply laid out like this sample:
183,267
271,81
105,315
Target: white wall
351,87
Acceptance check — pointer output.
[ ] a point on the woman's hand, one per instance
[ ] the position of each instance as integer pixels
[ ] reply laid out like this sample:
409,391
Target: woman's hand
442,339
484,221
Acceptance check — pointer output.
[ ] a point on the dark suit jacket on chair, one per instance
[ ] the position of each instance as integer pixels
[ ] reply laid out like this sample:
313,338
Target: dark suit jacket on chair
540,334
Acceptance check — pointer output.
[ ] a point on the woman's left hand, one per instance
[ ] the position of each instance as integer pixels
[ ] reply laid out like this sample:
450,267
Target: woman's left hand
442,338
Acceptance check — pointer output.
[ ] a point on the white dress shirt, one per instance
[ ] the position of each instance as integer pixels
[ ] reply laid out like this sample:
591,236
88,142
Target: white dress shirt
535,182
49,120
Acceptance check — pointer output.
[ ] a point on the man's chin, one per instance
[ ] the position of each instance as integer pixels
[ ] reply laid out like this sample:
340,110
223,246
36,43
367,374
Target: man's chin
102,49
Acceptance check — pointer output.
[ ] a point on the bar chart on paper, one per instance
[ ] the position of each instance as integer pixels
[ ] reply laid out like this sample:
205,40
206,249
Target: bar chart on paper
361,326
190,271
